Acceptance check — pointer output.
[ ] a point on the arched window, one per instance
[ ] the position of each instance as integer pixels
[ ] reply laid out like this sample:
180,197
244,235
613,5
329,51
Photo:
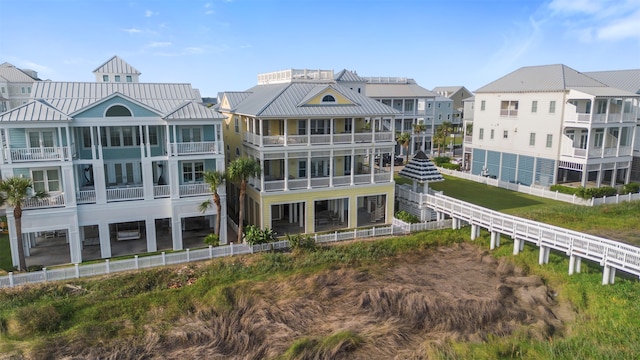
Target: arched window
328,98
118,110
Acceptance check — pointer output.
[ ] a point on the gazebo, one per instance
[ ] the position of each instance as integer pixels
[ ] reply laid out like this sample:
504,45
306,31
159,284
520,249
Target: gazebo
421,170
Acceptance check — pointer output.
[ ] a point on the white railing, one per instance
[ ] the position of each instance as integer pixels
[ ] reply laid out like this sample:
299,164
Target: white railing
194,190
616,199
56,200
125,193
39,153
319,182
86,197
274,185
382,177
296,184
345,138
161,191
189,148
362,179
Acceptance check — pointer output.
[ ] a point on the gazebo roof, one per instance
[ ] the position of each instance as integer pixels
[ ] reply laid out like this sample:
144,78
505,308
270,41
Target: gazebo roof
421,169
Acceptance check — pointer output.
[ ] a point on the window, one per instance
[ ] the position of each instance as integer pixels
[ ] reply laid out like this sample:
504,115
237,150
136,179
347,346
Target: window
117,78
481,134
192,171
534,106
120,136
552,107
347,165
129,79
237,151
439,116
509,108
601,107
302,168
236,124
105,78
598,138
127,136
492,132
23,90
505,134
328,98
438,105
302,127
319,127
190,134
86,137
448,116
408,105
114,136
348,124
532,139
29,89
3,90
117,110
549,140
47,180
483,104
43,138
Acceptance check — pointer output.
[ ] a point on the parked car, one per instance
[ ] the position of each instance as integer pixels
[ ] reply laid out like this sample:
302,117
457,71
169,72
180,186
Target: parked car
386,160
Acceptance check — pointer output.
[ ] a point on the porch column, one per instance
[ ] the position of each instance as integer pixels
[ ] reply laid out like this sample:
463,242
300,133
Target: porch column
331,160
261,132
73,238
168,139
308,169
331,132
174,147
68,184
309,131
286,169
614,174
574,264
174,172
543,257
176,230
516,245
608,275
341,210
99,140
373,130
599,177
147,179
353,167
150,229
69,156
105,239
301,216
224,236
371,164
286,134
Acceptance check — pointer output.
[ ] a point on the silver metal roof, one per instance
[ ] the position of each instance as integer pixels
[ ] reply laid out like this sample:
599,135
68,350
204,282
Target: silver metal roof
116,65
448,90
286,100
193,110
604,91
12,74
70,97
391,90
421,169
349,76
540,78
34,110
628,80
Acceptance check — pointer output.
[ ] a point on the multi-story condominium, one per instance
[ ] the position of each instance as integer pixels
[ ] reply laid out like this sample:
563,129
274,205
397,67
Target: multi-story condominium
417,105
15,86
551,124
468,106
457,94
319,145
121,161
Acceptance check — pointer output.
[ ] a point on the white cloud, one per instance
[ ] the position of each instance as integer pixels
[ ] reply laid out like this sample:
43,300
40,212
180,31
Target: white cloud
132,31
622,28
150,13
157,44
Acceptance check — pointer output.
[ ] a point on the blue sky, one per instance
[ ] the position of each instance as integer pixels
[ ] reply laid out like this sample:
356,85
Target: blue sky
221,45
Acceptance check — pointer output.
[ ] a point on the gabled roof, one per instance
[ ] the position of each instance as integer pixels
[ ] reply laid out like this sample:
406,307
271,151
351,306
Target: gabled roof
70,97
391,90
604,91
34,110
316,91
12,74
281,100
628,80
540,78
448,90
193,110
229,100
348,76
114,95
116,65
421,169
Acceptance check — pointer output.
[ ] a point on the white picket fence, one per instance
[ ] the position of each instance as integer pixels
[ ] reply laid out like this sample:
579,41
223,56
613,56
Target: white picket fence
107,267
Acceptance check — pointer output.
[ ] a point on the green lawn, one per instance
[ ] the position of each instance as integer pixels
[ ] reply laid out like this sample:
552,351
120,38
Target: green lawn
5,253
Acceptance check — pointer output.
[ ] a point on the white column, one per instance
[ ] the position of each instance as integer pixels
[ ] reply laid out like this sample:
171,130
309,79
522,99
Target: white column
261,132
286,133
105,239
474,231
516,245
353,167
331,161
150,229
286,170
301,215
308,169
543,257
176,230
167,134
223,219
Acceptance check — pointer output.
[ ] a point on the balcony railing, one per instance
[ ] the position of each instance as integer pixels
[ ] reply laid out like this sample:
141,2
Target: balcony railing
86,197
583,118
56,200
191,148
161,191
194,190
37,154
344,138
135,192
597,152
320,182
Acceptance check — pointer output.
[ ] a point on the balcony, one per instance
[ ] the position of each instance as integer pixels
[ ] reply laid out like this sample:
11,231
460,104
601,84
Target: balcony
595,153
612,118
318,139
37,154
56,200
379,177
188,190
130,192
195,148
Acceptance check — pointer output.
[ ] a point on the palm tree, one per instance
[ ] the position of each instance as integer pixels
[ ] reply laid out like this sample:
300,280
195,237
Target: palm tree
214,179
404,140
417,129
14,191
238,172
442,134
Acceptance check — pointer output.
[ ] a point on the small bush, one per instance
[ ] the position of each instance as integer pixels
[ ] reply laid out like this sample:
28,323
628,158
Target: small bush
451,166
588,193
33,319
212,239
407,217
563,189
441,160
631,188
301,242
254,235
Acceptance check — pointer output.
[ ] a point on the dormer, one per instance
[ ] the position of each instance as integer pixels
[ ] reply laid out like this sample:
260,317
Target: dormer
116,70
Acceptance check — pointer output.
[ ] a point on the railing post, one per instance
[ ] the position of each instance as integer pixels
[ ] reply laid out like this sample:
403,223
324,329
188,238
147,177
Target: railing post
188,256
231,248
107,265
44,274
11,283
77,270
210,252
136,261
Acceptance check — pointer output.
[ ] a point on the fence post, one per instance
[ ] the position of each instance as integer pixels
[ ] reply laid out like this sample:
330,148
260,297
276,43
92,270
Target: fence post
164,259
355,233
136,261
373,233
231,248
77,270
188,256
210,252
107,265
44,274
315,238
335,235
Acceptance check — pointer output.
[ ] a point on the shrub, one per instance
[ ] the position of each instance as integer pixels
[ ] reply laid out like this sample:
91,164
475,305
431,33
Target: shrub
254,235
631,188
407,217
212,239
441,160
588,193
301,242
563,189
451,166
33,319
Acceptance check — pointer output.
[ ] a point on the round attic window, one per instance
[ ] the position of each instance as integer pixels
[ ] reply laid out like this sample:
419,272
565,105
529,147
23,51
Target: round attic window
118,110
328,98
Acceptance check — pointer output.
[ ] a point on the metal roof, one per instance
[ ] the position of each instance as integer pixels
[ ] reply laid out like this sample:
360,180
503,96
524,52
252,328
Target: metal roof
233,98
13,74
540,78
391,90
285,100
70,97
604,91
193,110
116,65
628,80
448,90
421,169
34,110
349,76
